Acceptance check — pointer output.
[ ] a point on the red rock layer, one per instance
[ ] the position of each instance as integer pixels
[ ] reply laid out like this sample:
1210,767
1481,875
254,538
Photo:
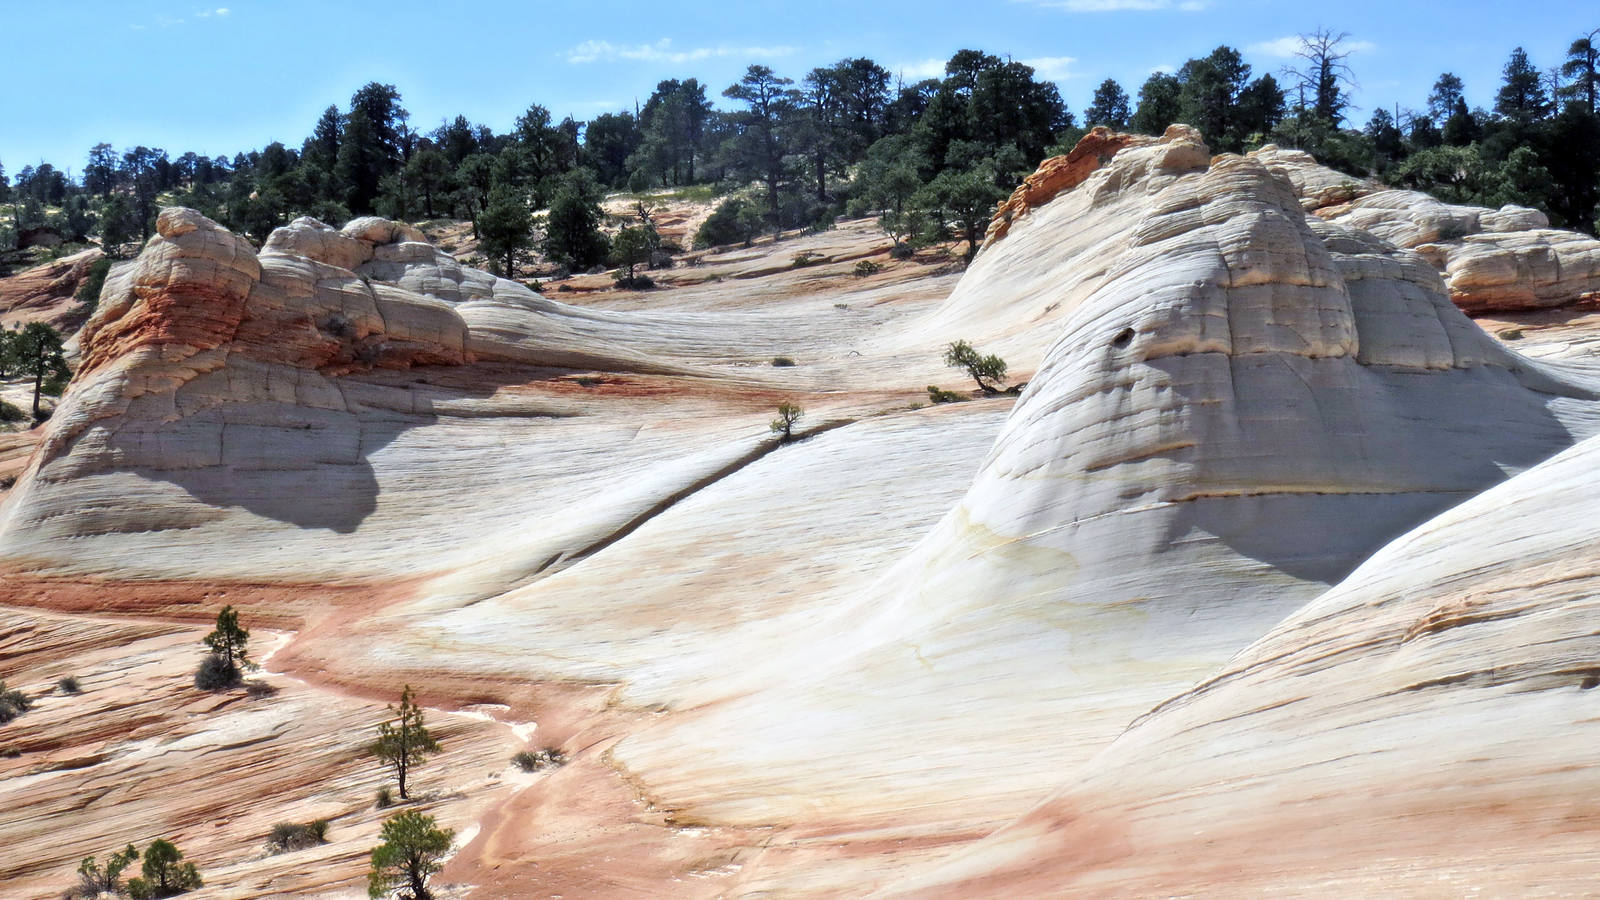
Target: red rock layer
1058,174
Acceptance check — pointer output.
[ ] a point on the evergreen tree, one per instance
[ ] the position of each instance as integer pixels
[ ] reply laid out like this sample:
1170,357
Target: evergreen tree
505,228
1522,98
38,349
413,848
404,743
1448,91
1209,96
1109,107
228,640
572,229
768,103
1582,71
165,873
1160,104
966,199
1324,74
608,142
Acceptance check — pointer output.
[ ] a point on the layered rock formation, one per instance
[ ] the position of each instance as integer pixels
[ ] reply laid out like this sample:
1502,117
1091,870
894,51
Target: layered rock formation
1493,259
46,293
809,668
1423,727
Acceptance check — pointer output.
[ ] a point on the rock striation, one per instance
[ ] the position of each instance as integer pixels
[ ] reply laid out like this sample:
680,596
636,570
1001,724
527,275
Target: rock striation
47,293
1492,259
863,658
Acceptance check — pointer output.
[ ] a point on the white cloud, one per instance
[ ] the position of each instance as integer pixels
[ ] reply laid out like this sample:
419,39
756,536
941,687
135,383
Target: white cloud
662,51
1094,6
1053,68
208,13
1287,47
917,71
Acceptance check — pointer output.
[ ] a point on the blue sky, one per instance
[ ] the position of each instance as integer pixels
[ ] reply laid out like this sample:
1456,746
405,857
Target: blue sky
221,78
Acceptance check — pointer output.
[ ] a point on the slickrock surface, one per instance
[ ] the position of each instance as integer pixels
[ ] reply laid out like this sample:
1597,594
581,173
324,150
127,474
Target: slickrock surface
46,293
1427,727
1493,259
802,669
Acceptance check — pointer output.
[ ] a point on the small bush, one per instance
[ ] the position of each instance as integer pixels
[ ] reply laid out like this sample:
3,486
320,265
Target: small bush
258,690
339,325
733,221
69,685
534,760
215,674
383,799
902,251
781,362
866,267
841,306
1511,334
939,395
290,836
639,282
805,258
11,413
12,703
165,874
783,425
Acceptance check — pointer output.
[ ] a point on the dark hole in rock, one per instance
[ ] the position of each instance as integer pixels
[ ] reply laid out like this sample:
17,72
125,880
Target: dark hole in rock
1123,338
1590,681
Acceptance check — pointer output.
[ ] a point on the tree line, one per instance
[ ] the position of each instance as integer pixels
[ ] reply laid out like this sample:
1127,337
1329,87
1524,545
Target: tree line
931,158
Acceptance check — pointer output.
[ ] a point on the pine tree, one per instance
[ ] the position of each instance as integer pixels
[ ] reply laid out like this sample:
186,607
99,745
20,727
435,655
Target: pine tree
1521,98
1109,107
412,849
228,640
38,349
404,743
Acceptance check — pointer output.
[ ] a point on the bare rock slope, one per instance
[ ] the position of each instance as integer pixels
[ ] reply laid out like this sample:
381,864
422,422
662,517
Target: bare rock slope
812,668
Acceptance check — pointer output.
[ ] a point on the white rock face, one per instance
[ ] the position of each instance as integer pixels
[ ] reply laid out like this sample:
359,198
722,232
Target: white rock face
909,627
1240,405
1492,260
1418,728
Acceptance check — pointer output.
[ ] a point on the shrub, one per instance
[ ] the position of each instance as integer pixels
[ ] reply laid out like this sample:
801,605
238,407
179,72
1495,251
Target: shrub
805,258
866,267
11,413
1511,334
902,251
12,703
534,760
69,685
383,799
939,395
783,425
164,873
215,674
638,282
94,879
781,362
734,221
290,836
982,369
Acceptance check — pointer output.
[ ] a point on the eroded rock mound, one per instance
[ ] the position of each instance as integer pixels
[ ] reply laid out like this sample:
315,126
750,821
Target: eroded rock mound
1420,727
1492,259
